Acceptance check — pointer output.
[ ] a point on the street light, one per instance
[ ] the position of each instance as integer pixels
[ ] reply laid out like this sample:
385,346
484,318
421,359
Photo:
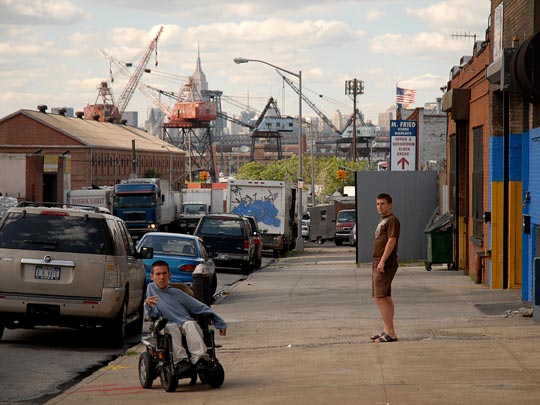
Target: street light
299,240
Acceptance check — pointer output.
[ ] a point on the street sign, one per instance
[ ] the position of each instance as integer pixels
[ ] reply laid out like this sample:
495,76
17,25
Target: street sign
403,145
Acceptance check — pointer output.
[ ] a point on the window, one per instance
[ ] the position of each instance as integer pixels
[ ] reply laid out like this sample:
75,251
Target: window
74,234
478,186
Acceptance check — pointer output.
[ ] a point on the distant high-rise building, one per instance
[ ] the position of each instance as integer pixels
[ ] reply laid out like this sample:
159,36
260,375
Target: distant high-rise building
384,120
199,78
132,118
154,122
70,112
338,120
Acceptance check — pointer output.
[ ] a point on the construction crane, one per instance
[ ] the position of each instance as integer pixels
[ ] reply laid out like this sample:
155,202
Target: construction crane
146,89
126,95
341,143
109,110
326,120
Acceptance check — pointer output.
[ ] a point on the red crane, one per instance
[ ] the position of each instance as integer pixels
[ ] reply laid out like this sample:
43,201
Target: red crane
110,111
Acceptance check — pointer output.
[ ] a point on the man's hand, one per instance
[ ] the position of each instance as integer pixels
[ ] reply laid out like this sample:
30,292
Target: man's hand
223,332
380,267
152,301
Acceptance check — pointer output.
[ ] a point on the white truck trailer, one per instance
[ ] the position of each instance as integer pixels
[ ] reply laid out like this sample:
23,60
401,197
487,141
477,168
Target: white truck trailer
272,204
94,197
197,202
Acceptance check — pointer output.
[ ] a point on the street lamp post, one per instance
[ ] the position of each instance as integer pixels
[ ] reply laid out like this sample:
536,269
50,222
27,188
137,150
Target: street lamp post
299,240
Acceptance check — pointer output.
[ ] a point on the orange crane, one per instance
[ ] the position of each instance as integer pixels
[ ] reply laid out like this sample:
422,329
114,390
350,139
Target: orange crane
110,111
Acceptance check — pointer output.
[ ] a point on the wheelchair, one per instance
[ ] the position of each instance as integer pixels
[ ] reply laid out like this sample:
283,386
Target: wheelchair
157,360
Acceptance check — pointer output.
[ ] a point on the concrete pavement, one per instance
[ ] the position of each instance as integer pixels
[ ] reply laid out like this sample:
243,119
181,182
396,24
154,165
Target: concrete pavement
299,333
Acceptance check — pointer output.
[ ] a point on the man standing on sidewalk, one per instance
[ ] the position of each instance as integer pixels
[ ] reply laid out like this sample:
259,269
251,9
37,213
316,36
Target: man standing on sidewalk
385,265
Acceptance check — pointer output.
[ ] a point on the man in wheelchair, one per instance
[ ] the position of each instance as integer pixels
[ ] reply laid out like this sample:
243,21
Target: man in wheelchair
180,309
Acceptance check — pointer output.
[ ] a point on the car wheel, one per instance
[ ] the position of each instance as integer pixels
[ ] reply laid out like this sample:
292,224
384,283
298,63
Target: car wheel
136,326
169,381
258,264
245,268
338,242
118,327
2,327
146,370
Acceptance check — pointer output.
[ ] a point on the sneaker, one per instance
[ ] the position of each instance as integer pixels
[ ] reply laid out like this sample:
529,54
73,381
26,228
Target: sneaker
182,366
201,366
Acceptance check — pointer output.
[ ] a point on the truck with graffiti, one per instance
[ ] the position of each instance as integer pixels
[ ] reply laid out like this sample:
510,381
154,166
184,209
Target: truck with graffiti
272,203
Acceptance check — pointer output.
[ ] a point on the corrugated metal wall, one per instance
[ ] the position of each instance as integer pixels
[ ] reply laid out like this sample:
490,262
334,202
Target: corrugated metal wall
414,196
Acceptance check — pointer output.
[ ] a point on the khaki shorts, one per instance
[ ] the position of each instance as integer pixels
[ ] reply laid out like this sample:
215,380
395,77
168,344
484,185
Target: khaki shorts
381,283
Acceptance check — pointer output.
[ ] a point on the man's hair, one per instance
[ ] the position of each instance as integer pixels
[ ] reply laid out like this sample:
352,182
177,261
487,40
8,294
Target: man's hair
385,196
159,263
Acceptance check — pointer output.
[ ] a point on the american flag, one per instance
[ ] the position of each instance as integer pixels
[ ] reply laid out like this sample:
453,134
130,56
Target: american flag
405,96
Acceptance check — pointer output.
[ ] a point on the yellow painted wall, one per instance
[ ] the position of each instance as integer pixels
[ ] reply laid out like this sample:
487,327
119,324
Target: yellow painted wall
496,234
514,234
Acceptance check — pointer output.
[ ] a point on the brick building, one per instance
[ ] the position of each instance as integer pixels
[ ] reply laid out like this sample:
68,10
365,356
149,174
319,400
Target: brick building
493,103
74,153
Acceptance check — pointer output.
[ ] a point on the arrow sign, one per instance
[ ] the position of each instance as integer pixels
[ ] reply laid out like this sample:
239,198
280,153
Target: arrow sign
403,162
403,145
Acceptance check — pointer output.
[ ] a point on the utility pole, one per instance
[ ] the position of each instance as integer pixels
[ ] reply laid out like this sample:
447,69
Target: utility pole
354,87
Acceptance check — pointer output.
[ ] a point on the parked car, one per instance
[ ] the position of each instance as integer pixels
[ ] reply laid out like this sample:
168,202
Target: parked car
305,228
257,238
229,240
69,267
183,253
352,236
344,224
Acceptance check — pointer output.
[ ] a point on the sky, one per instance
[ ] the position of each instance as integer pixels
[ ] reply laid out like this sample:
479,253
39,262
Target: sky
50,50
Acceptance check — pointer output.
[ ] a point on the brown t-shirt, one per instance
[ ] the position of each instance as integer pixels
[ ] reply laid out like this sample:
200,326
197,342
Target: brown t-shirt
387,227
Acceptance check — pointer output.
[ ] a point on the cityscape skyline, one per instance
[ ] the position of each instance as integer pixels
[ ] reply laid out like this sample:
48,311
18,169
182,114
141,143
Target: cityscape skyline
51,49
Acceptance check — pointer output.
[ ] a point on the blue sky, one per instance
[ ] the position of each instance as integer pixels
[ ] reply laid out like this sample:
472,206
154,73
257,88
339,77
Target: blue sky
50,49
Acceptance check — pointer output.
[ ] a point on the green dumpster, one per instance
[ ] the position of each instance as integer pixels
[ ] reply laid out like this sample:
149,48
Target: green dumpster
439,233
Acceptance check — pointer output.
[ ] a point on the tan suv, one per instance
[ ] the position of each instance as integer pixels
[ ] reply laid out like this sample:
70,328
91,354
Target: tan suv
70,267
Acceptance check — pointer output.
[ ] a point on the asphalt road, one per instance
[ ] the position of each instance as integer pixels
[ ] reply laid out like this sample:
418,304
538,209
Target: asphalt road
38,364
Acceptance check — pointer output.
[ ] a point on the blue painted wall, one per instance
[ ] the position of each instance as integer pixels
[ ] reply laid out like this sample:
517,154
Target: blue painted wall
534,205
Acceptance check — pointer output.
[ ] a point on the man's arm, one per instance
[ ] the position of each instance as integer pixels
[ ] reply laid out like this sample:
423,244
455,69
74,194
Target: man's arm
389,247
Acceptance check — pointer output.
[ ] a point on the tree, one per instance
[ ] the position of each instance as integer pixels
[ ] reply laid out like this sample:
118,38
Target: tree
287,170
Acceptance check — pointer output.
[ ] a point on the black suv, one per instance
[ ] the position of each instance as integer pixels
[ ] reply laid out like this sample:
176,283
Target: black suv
229,239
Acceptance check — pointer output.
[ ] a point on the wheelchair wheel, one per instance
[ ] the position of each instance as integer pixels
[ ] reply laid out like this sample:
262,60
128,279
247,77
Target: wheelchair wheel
169,381
146,370
216,375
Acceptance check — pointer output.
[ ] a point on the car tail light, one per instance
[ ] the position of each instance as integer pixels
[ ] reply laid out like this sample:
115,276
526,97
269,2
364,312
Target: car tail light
188,267
55,213
112,275
257,241
247,244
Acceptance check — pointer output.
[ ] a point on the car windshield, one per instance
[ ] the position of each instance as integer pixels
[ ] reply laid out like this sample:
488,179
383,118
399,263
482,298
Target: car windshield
347,216
134,200
170,245
193,208
62,233
221,226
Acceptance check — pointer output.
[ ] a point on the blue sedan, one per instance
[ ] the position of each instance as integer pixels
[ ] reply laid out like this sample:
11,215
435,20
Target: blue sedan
183,253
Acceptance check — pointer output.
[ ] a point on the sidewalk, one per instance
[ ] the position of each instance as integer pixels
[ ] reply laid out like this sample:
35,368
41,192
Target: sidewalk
299,333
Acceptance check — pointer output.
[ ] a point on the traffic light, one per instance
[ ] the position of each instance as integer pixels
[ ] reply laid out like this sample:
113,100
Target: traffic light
203,176
341,174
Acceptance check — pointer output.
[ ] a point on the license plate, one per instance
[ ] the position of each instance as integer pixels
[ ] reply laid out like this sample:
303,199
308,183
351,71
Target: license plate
47,272
223,256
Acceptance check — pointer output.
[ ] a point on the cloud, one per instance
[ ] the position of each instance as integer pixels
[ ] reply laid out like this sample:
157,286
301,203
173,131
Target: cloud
421,44
32,12
374,15
452,15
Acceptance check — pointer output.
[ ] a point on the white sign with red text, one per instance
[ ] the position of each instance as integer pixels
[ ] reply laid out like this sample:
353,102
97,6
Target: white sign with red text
403,145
